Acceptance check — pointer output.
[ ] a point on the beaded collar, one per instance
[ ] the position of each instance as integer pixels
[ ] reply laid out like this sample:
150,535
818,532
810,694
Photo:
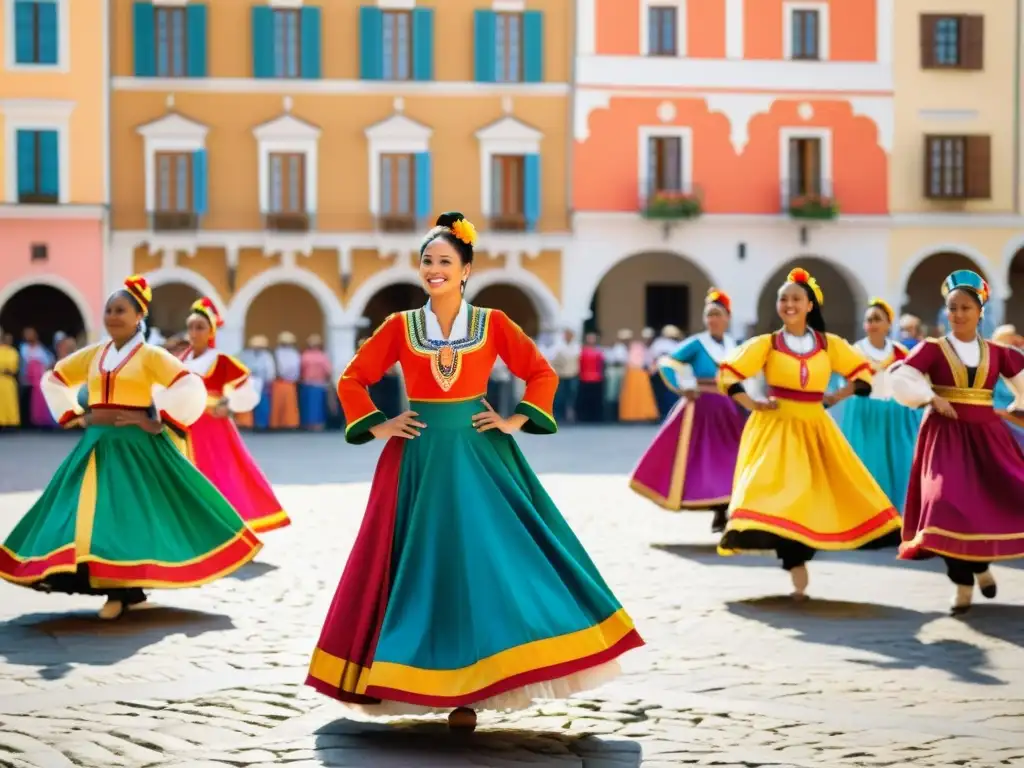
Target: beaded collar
446,354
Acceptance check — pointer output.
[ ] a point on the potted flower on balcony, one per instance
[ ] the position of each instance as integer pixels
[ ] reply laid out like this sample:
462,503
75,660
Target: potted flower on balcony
813,207
672,205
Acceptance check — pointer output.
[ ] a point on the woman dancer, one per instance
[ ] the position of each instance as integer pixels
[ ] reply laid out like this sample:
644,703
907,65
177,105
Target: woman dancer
967,482
213,443
881,430
690,464
125,511
636,396
1002,395
466,588
799,486
10,415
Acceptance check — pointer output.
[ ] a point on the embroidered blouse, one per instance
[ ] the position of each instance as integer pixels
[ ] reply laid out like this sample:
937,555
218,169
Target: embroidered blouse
696,359
138,375
453,369
224,376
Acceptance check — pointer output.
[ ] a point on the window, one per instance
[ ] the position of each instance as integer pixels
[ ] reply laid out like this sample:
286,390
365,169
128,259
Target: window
398,192
287,182
35,32
664,164
397,45
952,42
38,166
507,192
174,182
957,167
171,36
806,31
287,43
508,49
662,34
805,162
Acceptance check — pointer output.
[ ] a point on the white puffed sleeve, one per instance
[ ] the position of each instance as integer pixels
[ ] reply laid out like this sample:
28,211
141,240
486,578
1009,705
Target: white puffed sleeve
1017,385
61,399
910,387
244,397
183,402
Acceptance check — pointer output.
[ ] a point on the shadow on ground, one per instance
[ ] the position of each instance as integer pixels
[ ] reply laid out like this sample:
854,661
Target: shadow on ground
432,745
254,569
885,631
55,642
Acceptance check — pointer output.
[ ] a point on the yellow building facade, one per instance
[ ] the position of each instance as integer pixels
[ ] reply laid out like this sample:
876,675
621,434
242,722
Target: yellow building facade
955,182
53,165
289,171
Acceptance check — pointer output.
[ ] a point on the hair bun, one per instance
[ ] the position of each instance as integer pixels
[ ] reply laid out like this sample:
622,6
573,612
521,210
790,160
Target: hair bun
448,218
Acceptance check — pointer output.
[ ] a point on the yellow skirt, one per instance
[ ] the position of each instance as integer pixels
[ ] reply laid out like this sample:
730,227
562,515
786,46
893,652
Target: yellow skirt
636,398
797,478
10,415
284,405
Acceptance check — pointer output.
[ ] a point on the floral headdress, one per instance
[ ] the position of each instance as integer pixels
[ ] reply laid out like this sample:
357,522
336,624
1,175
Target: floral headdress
968,280
208,309
803,277
464,230
139,289
883,305
721,298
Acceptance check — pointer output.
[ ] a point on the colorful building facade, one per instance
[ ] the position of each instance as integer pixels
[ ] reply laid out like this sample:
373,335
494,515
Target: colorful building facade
701,128
287,171
54,165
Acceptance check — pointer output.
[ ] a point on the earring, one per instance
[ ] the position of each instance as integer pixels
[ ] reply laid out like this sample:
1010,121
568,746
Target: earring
464,285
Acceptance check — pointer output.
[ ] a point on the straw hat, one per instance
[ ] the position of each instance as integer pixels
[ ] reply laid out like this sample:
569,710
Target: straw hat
259,342
286,338
671,332
647,334
1005,334
624,335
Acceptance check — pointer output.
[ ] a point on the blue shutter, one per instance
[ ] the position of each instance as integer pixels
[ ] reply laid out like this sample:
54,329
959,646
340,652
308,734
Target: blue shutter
47,53
371,43
26,163
199,182
145,40
424,186
310,43
195,15
531,191
49,163
262,41
533,47
24,34
485,57
423,44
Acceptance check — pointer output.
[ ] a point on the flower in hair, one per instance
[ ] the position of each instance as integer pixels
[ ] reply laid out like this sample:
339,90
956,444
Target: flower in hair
206,307
464,230
715,296
800,275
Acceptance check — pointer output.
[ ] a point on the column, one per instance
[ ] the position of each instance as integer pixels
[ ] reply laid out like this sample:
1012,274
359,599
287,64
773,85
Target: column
231,340
586,27
341,345
734,13
884,31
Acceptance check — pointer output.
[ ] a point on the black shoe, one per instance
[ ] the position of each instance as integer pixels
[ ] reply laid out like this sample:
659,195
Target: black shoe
720,520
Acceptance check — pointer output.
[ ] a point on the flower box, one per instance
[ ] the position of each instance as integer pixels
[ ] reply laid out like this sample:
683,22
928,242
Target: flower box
672,205
813,207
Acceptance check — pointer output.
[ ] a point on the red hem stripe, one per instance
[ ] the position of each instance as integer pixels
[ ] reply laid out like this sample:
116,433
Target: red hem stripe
876,522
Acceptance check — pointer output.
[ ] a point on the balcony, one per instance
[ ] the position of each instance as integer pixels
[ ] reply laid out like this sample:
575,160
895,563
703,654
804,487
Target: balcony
808,201
38,198
508,222
683,202
396,223
290,223
173,221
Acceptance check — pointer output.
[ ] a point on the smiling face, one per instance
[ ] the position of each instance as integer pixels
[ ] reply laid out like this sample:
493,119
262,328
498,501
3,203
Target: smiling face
716,320
876,323
793,304
198,328
121,318
441,269
964,312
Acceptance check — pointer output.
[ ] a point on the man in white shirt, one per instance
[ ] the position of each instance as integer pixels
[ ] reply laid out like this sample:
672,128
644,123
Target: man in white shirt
565,359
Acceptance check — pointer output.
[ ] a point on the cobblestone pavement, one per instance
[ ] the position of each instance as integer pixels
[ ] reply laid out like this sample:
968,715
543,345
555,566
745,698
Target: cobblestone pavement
870,672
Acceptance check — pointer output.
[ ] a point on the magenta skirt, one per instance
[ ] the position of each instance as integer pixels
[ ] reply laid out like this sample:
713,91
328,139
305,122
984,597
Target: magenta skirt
690,464
966,487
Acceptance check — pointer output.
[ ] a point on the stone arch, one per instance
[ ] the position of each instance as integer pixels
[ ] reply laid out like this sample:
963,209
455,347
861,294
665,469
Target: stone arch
1013,310
488,284
356,306
57,283
174,276
238,310
845,296
648,288
286,306
922,279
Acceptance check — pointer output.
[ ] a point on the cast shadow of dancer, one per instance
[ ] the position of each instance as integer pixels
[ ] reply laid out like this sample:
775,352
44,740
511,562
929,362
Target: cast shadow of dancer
431,744
252,570
55,642
882,630
997,620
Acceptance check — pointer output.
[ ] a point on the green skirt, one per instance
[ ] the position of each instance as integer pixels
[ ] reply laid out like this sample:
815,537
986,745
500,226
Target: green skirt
126,509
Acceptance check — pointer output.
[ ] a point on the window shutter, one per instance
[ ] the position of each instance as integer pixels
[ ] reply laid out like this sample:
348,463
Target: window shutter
423,44
972,42
26,162
200,192
531,191
49,163
484,49
978,173
424,187
47,33
310,41
928,22
145,40
24,42
195,15
371,43
928,140
533,47
262,41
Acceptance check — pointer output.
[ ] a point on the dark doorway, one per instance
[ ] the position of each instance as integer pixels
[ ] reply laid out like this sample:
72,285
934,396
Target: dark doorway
45,308
667,304
394,298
